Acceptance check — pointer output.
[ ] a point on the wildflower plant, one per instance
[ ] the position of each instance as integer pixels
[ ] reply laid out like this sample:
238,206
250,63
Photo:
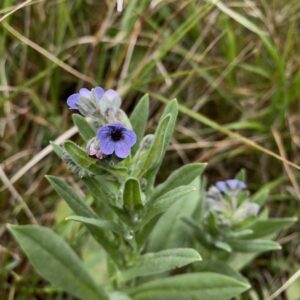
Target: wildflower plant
140,224
231,226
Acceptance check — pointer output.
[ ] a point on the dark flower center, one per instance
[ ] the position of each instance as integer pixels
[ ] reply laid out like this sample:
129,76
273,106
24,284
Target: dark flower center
116,134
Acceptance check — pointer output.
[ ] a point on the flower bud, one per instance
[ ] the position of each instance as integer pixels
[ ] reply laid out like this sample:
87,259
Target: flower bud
93,149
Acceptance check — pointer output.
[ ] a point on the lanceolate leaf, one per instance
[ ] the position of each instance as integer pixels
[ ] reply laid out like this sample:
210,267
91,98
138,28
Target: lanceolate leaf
197,286
103,190
103,224
138,119
220,267
170,231
163,203
155,152
80,208
72,198
81,158
261,196
155,263
59,151
118,296
262,228
78,155
253,245
183,176
171,110
53,259
86,130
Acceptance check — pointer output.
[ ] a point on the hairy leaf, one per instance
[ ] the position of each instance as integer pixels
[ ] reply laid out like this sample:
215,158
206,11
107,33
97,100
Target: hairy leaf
170,231
159,262
54,260
262,228
86,130
197,286
183,176
163,203
139,119
253,245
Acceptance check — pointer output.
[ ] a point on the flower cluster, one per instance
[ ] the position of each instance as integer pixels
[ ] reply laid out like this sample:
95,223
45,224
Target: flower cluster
113,137
229,200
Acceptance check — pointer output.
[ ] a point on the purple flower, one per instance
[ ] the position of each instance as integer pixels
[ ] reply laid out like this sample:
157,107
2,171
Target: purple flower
84,94
230,185
116,138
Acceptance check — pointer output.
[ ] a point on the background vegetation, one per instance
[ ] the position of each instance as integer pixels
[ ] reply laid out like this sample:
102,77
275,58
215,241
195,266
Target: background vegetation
232,65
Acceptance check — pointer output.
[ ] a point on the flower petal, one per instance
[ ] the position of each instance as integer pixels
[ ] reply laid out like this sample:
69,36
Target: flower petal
114,97
235,184
103,133
122,150
129,137
99,92
107,146
85,93
73,100
221,186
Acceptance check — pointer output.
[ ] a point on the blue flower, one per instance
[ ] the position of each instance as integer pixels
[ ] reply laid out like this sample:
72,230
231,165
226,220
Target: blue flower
116,138
230,185
85,95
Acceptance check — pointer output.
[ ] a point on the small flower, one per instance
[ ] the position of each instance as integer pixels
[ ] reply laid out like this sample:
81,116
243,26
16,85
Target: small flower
93,149
85,95
116,138
95,101
230,185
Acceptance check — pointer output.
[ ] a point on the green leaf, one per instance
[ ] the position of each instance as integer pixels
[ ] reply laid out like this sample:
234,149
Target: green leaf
183,176
118,296
261,196
163,203
253,245
143,234
132,196
222,246
153,157
102,188
78,155
139,119
59,151
262,228
81,158
54,260
71,197
241,175
220,267
163,261
170,231
200,233
80,208
197,286
172,109
86,130
103,224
